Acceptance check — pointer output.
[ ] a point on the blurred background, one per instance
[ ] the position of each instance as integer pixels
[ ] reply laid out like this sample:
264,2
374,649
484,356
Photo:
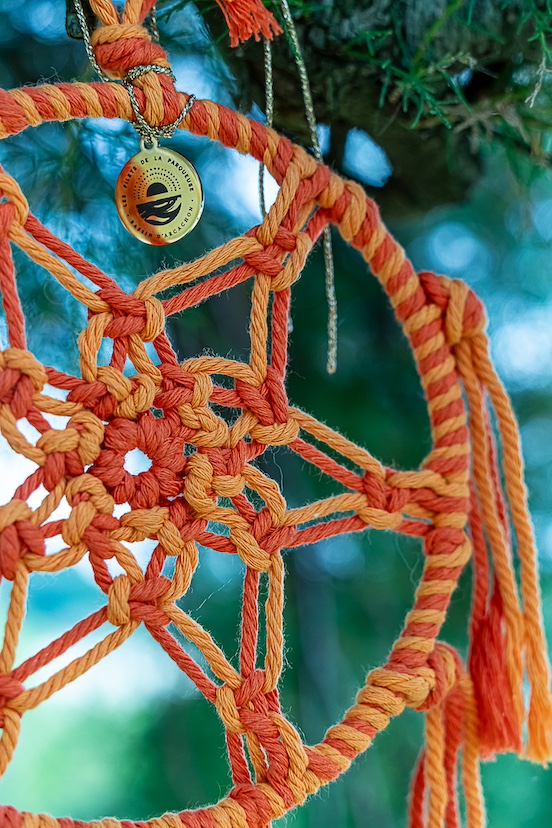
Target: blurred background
442,110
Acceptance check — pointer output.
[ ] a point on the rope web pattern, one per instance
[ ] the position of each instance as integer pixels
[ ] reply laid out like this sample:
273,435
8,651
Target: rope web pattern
203,475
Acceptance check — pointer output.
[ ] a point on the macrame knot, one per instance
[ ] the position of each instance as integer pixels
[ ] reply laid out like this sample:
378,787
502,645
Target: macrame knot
262,526
74,528
228,710
279,434
263,261
10,689
60,455
15,208
115,394
251,693
379,518
227,462
120,47
249,550
161,441
155,319
67,452
271,234
198,482
91,433
226,485
381,495
464,315
21,376
444,541
94,396
268,402
272,538
294,264
116,384
170,538
146,599
235,705
144,317
285,239
87,497
128,600
260,809
177,387
140,398
118,608
445,669
18,535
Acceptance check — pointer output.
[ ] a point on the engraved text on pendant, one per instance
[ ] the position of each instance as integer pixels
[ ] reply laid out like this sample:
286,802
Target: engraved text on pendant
159,196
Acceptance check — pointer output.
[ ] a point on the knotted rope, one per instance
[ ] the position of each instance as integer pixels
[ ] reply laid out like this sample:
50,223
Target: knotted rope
203,466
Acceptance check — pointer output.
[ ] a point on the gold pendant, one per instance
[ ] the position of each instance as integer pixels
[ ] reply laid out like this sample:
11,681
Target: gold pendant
159,195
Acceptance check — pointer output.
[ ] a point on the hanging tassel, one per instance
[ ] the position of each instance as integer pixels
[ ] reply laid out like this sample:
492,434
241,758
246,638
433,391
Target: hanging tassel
247,18
499,727
539,720
503,632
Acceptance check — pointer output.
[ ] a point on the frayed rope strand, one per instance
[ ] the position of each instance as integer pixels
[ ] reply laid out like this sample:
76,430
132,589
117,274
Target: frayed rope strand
248,18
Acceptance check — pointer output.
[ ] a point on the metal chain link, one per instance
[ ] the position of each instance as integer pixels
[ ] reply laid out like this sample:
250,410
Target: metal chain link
83,23
145,130
154,30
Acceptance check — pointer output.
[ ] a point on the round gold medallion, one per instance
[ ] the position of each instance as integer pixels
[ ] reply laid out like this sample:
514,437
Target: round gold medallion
159,195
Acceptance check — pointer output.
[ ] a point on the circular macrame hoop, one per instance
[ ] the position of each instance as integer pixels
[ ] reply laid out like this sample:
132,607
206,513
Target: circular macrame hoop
178,498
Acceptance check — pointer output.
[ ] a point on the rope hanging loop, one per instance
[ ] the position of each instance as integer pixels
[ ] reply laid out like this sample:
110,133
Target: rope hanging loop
122,49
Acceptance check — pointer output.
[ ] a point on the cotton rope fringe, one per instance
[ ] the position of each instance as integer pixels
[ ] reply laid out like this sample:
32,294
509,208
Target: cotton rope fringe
467,497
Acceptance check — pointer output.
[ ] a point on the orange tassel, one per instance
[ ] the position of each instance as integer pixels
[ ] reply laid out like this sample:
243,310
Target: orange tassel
539,719
247,18
507,635
499,727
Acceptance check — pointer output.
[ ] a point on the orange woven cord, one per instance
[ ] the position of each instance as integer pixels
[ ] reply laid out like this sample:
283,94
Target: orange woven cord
186,493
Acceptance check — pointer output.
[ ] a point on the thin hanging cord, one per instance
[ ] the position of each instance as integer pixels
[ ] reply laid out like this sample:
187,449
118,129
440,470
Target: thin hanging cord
327,242
269,108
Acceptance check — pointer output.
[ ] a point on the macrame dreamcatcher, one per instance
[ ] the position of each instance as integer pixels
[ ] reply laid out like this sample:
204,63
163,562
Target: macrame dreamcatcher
463,503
